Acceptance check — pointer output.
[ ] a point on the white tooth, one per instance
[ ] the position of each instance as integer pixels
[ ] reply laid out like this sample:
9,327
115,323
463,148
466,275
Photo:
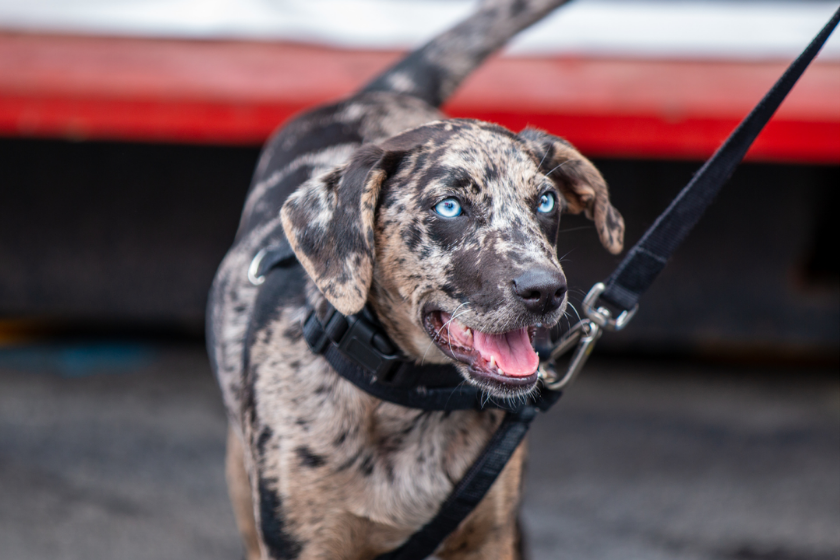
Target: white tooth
492,361
468,332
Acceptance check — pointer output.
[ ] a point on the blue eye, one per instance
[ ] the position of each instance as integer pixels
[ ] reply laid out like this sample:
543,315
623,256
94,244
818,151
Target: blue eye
448,208
546,203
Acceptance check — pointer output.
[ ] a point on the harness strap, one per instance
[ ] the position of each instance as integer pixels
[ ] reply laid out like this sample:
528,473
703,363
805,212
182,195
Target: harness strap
331,340
359,350
363,339
349,350
459,398
648,257
470,490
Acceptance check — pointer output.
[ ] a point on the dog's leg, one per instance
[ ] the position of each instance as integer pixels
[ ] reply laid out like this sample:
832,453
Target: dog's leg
520,542
239,490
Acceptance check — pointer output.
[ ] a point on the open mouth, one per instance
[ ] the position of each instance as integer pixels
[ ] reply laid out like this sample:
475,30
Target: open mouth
504,362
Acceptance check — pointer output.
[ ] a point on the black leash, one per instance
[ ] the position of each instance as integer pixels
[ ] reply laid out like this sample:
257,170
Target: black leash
648,257
650,254
360,351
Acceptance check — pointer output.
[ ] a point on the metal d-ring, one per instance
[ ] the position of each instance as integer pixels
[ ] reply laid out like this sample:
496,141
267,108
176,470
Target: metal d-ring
254,268
602,315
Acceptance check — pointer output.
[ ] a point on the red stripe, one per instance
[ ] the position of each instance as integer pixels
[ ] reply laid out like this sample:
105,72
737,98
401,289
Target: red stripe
639,136
237,93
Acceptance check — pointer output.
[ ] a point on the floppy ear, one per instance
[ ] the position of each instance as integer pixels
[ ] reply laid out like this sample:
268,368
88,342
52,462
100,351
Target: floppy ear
329,223
580,182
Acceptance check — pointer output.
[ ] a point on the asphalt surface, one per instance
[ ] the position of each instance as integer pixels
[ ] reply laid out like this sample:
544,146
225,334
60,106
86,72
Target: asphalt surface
116,452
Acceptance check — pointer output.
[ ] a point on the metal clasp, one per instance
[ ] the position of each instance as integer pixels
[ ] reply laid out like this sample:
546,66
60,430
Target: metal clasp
583,337
254,276
602,315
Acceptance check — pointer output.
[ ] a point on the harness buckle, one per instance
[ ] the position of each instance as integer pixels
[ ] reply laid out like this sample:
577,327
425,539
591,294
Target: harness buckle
355,337
364,343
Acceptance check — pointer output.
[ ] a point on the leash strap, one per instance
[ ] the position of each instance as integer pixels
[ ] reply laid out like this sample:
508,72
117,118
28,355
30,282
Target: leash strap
470,490
648,257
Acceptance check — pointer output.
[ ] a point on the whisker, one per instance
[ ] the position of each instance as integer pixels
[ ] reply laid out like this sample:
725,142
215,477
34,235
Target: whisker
544,156
458,386
452,318
557,167
449,322
423,358
575,310
445,325
576,229
461,313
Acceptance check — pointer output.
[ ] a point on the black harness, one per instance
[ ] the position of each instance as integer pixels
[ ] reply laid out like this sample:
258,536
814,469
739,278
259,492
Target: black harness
359,350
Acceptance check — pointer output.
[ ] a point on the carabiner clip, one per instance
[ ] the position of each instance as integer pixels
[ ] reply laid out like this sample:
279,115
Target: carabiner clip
583,337
584,334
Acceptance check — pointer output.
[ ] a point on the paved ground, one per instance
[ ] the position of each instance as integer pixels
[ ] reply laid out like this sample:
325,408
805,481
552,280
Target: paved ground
115,452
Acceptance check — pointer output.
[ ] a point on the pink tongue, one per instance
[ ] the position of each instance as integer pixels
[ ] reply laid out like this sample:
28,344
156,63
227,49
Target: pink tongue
512,350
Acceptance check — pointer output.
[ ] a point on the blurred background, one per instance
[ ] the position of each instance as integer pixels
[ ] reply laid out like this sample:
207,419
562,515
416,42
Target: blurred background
129,129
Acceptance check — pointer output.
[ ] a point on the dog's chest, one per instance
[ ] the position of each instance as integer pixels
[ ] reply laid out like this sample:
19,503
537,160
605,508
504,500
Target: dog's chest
332,448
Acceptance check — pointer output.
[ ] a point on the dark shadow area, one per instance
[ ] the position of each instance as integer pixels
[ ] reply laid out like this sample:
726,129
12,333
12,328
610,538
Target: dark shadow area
116,232
127,236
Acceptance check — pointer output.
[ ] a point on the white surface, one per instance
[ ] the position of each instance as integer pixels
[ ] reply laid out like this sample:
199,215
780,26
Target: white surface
659,29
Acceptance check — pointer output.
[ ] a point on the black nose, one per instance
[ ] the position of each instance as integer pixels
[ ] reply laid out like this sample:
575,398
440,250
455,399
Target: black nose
540,290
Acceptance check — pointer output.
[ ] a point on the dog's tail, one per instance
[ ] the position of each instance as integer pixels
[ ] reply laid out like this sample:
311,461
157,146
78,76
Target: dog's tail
435,70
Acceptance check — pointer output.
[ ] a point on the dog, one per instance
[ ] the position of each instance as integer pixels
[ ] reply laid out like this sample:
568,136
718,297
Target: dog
447,230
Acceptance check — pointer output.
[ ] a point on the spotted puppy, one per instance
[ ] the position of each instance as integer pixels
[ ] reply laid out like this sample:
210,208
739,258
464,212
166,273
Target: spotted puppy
447,230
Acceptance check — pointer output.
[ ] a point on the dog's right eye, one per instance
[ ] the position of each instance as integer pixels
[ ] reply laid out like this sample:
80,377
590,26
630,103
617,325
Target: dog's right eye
448,208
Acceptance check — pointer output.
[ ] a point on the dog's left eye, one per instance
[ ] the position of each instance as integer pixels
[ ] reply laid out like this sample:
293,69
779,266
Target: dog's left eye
547,203
448,208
